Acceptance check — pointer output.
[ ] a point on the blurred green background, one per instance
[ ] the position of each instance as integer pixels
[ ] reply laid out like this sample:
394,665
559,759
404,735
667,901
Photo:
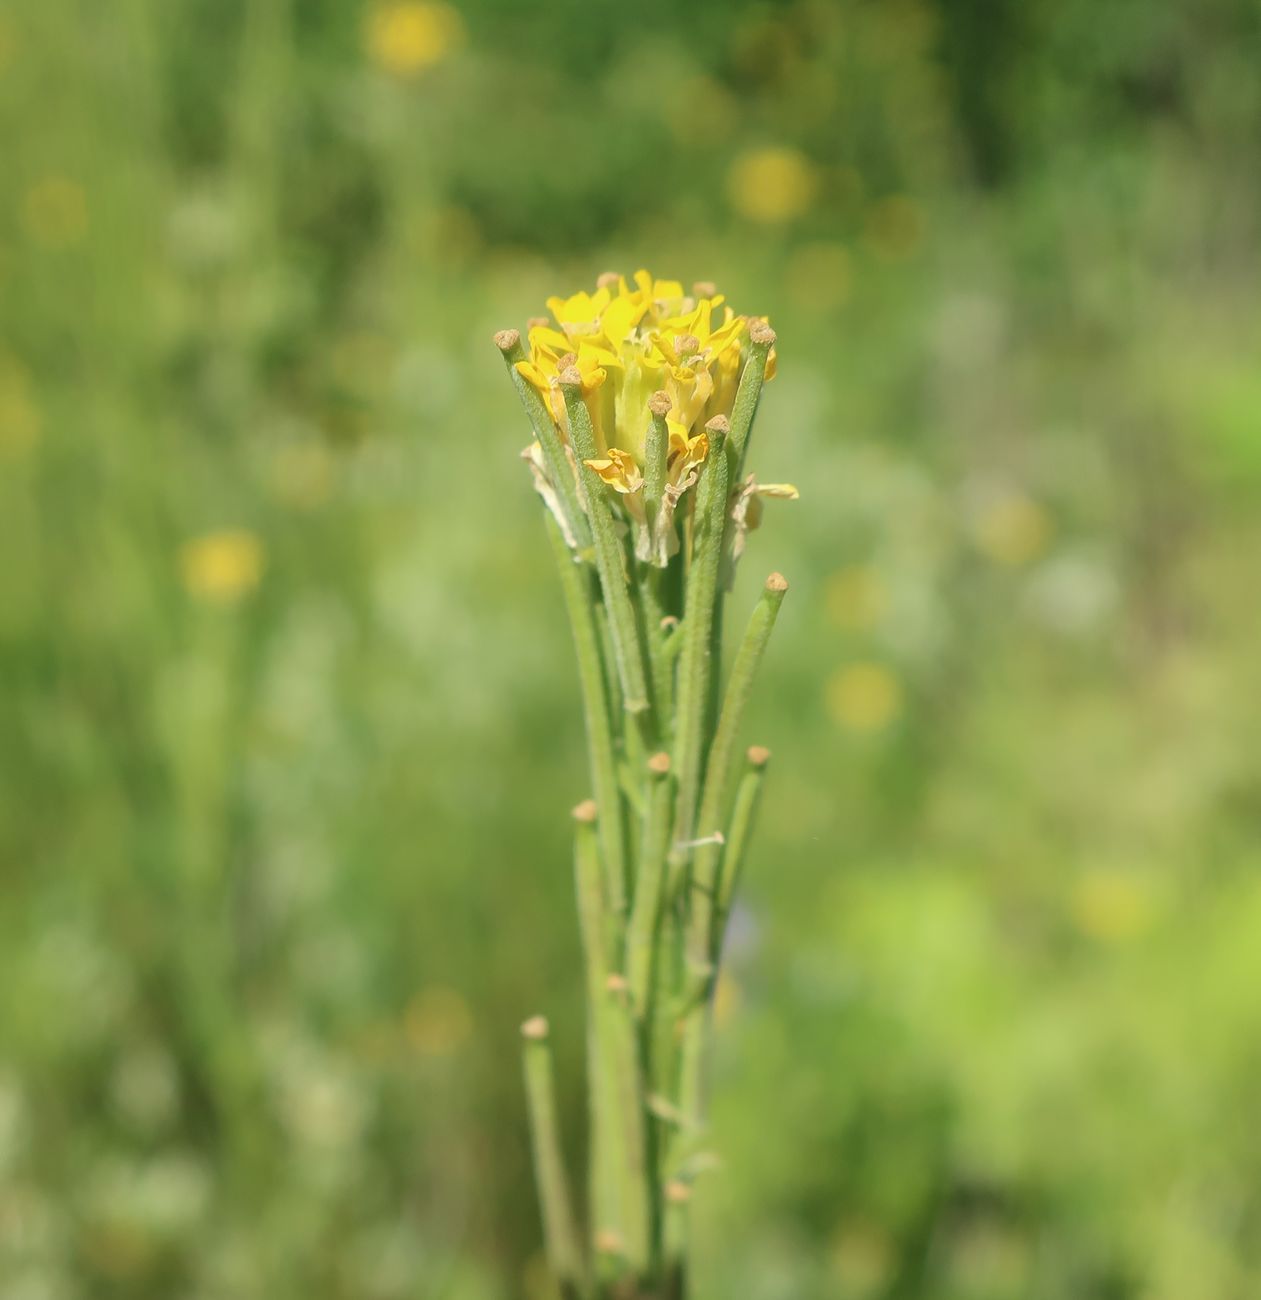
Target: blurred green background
288,723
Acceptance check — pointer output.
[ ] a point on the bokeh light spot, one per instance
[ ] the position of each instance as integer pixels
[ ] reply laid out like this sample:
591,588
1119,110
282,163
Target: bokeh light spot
862,1259
771,185
406,38
1110,906
223,566
55,212
1012,530
727,998
864,697
20,419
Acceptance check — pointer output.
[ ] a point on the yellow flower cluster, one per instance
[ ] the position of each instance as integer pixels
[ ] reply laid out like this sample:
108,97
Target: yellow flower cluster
632,341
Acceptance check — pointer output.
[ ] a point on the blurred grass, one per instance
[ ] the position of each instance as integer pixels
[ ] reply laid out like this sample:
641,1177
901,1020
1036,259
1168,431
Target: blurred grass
288,724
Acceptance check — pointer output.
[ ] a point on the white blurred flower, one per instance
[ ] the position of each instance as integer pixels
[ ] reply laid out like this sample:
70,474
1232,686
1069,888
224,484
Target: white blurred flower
1074,593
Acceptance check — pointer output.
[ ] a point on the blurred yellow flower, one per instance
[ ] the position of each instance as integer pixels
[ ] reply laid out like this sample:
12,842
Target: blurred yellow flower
864,696
855,598
20,420
862,1259
222,566
438,1021
727,997
771,185
819,276
1111,906
894,227
55,212
409,36
1012,530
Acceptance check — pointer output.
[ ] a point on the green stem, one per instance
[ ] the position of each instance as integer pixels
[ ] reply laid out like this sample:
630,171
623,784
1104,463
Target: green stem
605,1159
560,1234
601,753
744,408
695,662
701,965
619,1187
610,554
660,662
739,832
705,865
641,935
559,464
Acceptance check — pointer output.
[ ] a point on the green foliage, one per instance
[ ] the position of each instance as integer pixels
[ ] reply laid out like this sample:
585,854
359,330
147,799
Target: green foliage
287,723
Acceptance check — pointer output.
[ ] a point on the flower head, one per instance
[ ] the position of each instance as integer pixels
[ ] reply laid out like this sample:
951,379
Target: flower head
641,346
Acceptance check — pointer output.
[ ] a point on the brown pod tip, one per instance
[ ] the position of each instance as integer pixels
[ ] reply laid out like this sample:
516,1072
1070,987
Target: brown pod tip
506,340
535,1029
761,333
719,424
677,1192
606,279
539,322
659,403
687,345
570,378
584,812
777,582
704,288
659,763
758,755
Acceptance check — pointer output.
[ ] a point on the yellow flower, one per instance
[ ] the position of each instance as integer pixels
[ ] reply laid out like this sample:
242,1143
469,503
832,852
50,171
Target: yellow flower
55,212
409,36
619,471
20,420
1012,530
646,335
1111,906
628,340
223,566
864,697
771,186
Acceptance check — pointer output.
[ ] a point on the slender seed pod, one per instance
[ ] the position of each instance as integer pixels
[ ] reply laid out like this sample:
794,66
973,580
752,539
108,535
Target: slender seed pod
609,552
695,655
559,1231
